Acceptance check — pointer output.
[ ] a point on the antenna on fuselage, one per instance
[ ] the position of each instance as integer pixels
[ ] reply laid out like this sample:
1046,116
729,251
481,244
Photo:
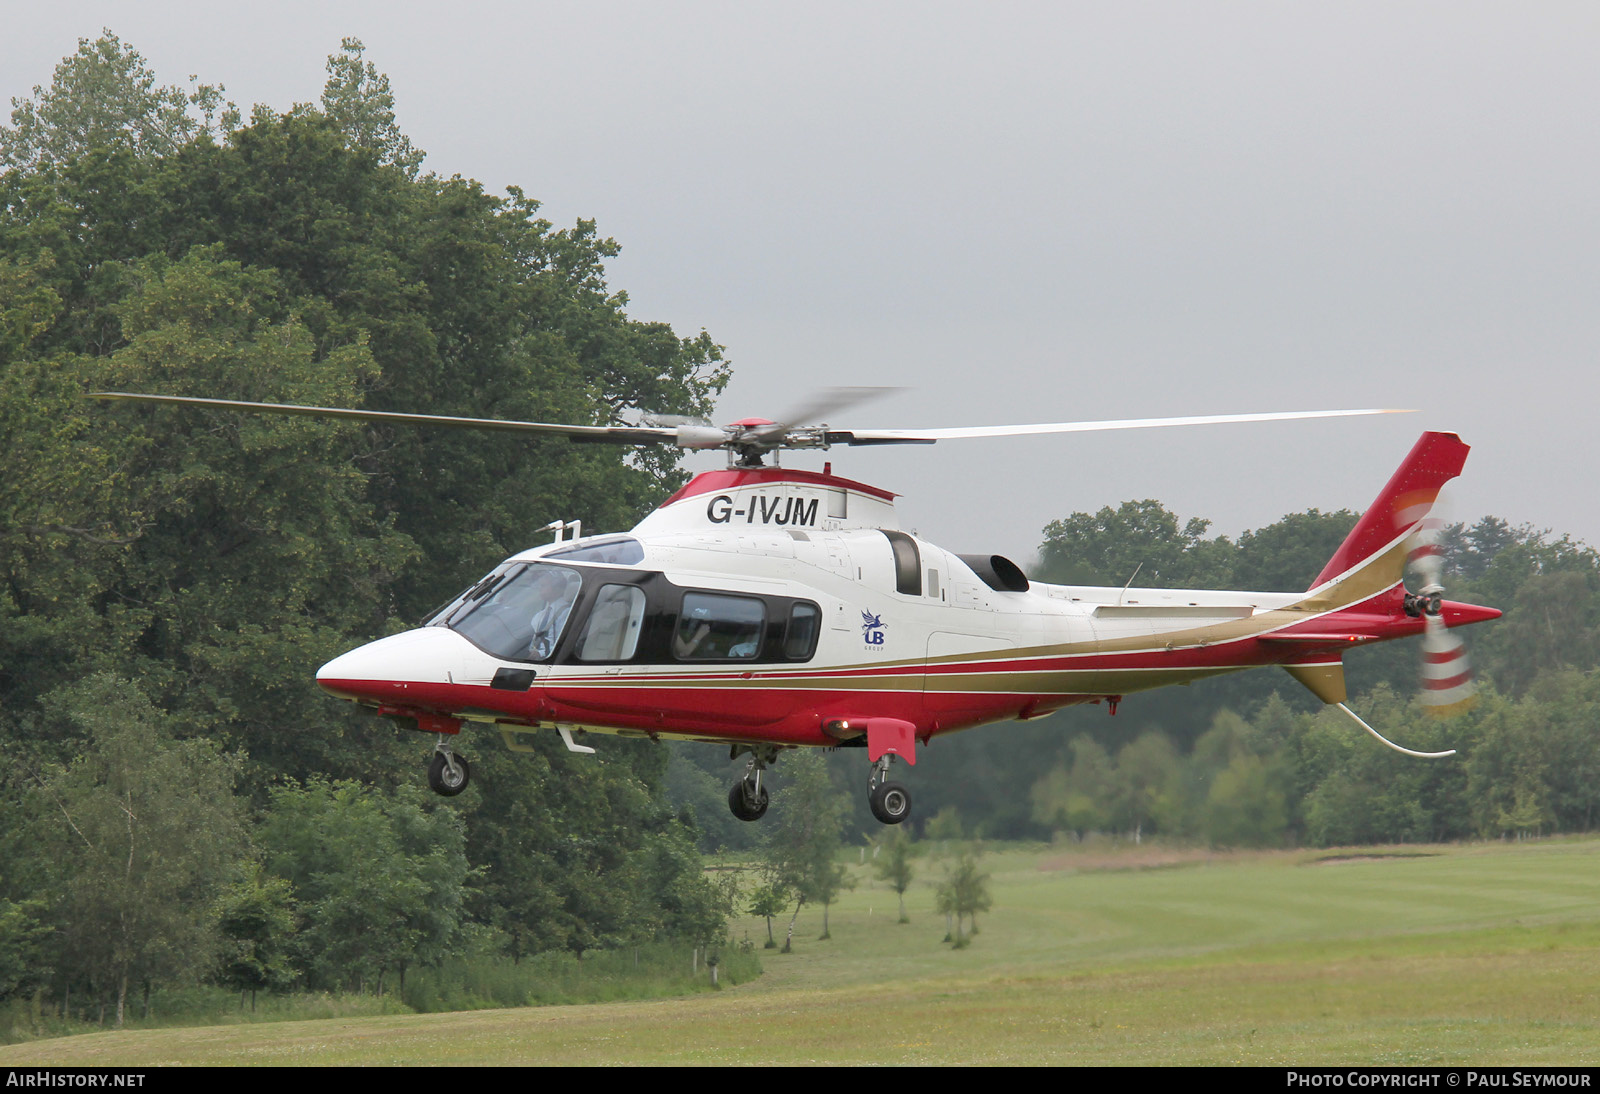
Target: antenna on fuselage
559,527
1129,582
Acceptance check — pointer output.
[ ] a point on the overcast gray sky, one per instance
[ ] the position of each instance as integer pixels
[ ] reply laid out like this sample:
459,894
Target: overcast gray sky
1025,212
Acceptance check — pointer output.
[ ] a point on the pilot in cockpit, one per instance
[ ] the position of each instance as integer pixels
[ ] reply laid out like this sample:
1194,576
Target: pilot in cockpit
556,603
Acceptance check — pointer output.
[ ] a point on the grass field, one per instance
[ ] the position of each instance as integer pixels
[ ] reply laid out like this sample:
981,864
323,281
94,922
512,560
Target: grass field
1484,954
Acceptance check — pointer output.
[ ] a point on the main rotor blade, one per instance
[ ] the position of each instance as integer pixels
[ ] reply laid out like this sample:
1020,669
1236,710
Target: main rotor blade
691,437
929,436
825,402
615,434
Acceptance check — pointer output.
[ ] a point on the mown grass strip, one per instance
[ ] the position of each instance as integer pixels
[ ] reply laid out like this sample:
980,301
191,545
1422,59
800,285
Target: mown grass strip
1481,955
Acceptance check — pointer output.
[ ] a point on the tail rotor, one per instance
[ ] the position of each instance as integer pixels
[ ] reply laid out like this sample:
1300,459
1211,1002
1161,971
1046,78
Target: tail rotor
1447,684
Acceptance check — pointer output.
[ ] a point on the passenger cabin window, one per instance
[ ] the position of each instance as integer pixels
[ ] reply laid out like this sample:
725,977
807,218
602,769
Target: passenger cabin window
718,628
612,633
907,563
800,640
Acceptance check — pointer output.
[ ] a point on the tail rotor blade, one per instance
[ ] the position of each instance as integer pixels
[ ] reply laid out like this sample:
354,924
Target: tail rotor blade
1447,684
1426,558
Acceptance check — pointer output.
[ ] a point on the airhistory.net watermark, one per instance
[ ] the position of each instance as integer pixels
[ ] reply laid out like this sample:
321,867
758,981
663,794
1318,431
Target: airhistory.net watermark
50,1079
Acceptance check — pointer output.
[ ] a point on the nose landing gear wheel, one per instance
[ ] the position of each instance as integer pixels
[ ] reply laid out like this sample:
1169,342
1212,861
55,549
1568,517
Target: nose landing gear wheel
448,774
744,806
891,802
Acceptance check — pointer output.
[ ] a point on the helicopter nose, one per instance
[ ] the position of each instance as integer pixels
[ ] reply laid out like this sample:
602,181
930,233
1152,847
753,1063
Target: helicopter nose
386,669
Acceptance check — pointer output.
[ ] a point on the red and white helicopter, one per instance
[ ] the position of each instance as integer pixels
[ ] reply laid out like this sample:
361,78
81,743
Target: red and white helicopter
769,608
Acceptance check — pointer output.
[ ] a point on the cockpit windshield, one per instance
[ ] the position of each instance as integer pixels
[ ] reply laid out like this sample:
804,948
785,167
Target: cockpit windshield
516,614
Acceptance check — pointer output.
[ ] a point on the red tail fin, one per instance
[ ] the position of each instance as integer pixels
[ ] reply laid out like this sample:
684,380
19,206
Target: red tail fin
1436,459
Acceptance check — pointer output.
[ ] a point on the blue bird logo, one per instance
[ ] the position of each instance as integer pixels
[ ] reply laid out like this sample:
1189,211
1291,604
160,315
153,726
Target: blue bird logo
872,628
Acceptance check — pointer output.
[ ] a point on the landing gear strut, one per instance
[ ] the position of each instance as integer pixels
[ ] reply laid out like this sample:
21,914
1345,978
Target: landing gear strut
890,801
448,774
747,798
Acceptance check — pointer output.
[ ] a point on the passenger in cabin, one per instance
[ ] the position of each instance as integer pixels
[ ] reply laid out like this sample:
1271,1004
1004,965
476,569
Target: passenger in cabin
714,627
692,630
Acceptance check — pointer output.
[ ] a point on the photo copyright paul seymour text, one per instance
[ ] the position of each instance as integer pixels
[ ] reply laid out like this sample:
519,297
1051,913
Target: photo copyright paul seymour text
1469,1079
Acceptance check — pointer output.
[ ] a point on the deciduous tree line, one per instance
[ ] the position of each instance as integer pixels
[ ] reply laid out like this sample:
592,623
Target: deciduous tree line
178,800
1253,760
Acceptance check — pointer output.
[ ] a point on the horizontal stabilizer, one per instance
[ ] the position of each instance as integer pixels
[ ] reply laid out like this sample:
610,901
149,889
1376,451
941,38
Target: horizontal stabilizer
1324,679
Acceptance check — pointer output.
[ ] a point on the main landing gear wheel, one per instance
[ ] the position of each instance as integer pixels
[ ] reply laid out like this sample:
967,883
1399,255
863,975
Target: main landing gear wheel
891,802
747,806
748,798
448,774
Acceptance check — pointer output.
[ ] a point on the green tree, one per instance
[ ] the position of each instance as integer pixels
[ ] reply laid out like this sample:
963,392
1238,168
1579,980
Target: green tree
1535,761
1246,806
1139,541
895,866
1077,799
1149,785
358,100
257,919
292,260
1469,551
1288,554
768,901
25,947
963,894
151,241
804,838
945,825
104,97
380,879
137,837
1246,803
676,899
256,551
1549,589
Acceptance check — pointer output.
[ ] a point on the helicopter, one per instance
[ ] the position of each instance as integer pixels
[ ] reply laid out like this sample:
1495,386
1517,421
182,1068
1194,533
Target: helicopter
769,608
